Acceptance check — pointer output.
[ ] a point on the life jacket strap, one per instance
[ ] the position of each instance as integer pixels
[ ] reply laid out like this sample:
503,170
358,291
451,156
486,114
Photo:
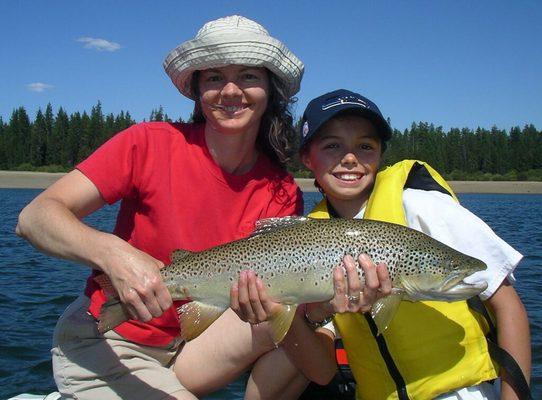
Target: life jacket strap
400,383
500,355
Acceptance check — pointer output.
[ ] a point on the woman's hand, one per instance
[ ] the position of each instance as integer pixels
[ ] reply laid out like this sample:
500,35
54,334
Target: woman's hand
249,299
135,276
52,222
351,295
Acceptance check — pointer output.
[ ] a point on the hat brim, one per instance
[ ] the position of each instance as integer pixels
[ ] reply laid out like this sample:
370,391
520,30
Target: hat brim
238,49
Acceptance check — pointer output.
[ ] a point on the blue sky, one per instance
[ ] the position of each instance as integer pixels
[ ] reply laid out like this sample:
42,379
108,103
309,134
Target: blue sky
453,63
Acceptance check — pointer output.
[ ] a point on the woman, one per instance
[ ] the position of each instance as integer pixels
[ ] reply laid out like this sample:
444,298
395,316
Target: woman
189,186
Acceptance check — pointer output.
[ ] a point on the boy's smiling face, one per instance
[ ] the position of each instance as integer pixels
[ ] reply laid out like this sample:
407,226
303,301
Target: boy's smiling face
344,157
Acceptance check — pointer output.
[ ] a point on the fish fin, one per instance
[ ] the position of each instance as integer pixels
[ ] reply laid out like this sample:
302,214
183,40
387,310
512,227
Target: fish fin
268,225
179,254
195,317
112,314
280,322
384,310
107,286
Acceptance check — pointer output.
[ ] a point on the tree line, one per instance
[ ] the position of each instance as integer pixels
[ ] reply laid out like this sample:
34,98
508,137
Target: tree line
56,142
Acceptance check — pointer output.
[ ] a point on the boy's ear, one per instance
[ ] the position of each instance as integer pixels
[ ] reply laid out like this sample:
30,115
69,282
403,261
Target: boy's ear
305,159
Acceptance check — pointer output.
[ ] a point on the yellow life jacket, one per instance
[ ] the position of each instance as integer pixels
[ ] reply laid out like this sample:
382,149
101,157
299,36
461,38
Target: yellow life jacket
434,347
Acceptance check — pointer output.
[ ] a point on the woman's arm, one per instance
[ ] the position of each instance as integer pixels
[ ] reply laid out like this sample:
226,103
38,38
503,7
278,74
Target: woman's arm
52,223
513,332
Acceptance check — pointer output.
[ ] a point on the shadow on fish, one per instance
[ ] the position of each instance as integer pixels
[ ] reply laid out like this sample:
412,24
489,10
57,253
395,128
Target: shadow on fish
295,257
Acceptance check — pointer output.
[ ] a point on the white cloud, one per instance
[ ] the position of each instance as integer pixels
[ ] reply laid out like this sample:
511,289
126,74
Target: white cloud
99,44
38,87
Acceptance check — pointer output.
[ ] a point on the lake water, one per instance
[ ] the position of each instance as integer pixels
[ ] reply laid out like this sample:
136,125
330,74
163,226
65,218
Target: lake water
35,289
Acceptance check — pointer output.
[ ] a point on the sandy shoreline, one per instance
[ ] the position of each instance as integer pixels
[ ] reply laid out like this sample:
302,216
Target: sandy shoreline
41,180
512,187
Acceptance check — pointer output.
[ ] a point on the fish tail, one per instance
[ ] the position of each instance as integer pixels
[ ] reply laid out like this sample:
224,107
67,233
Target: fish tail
112,314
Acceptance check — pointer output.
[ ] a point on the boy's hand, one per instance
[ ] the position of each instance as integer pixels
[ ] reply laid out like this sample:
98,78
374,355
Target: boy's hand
351,295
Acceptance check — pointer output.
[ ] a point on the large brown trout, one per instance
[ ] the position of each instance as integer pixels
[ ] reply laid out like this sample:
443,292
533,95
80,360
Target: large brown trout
295,257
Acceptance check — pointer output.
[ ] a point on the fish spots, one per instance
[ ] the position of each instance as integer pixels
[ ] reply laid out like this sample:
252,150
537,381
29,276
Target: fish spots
303,255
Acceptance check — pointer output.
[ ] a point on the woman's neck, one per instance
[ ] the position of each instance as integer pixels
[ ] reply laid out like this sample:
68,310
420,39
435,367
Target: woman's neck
235,154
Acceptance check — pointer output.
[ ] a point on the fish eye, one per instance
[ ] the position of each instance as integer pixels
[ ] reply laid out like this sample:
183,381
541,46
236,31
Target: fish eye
451,264
455,264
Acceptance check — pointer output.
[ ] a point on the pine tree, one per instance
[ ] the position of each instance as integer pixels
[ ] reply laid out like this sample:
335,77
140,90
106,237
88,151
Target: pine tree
86,138
18,138
74,138
470,158
96,128
517,151
3,155
157,115
38,140
500,158
49,122
532,145
109,126
453,146
58,145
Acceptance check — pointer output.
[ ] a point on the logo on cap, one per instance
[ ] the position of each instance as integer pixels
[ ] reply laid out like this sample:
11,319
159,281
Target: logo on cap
343,100
305,128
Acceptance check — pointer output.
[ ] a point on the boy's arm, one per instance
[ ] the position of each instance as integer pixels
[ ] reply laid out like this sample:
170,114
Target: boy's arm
513,332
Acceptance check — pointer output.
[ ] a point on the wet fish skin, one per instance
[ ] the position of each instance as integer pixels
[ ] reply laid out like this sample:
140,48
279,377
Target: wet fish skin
295,257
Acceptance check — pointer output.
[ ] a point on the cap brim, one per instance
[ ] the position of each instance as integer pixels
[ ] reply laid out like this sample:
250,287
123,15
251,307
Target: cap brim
382,126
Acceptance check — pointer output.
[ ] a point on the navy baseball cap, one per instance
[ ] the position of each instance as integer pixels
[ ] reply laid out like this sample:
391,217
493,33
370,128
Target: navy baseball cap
323,108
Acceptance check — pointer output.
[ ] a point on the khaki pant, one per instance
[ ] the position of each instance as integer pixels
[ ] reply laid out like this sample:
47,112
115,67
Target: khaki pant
87,365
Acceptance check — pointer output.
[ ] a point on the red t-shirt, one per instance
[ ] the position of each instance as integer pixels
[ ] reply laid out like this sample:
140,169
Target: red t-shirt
174,196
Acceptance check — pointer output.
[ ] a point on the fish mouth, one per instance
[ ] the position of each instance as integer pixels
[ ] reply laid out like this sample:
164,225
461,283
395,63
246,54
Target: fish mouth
462,291
455,288
451,281
452,289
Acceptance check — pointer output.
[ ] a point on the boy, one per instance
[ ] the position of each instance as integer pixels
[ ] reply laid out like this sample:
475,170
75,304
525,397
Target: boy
431,349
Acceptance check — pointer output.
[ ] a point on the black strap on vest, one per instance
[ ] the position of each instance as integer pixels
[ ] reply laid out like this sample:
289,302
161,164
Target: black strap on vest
420,178
500,355
400,384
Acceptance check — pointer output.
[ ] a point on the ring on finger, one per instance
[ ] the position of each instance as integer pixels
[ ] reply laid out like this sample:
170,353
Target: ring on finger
354,298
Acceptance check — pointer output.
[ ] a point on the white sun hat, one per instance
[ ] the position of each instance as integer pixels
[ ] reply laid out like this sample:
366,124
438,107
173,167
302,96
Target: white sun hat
233,40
